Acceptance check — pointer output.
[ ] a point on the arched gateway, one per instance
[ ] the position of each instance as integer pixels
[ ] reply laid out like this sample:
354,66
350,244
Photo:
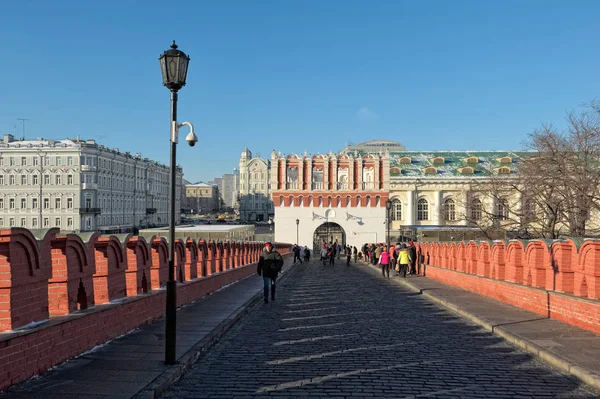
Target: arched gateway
328,232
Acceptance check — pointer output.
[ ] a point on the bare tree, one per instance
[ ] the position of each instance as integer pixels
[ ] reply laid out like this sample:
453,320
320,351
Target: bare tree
564,174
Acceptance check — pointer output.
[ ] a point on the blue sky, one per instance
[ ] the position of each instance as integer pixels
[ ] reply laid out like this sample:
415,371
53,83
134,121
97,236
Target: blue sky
296,75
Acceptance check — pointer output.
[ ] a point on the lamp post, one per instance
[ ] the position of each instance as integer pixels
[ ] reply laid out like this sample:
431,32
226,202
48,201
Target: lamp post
388,207
297,229
174,67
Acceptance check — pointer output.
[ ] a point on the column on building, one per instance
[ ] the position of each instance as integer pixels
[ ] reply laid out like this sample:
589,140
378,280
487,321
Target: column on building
284,167
309,173
351,169
410,208
376,171
438,217
301,171
360,163
466,208
325,174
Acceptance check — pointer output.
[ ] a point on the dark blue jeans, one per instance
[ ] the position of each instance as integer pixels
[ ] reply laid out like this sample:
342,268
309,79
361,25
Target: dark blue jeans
268,281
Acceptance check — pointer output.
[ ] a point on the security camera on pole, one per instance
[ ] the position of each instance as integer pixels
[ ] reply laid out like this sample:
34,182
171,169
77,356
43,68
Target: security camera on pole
174,67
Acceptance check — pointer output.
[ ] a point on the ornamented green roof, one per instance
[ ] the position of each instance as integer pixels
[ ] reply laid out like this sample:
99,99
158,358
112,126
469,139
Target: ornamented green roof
443,164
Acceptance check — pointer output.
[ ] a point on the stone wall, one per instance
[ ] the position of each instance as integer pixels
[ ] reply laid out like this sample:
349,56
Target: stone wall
559,279
61,295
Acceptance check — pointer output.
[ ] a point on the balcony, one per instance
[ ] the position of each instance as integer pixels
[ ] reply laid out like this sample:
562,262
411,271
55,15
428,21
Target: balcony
292,185
95,211
150,211
342,186
88,168
317,186
368,186
89,186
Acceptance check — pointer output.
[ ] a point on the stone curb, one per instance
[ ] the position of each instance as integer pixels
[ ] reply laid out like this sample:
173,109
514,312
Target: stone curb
162,383
586,376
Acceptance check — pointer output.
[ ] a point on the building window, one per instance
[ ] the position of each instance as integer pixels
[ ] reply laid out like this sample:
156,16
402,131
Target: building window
23,161
1,203
69,160
12,180
11,203
69,203
57,222
422,209
46,222
476,209
34,203
56,203
58,161
46,203
34,222
69,222
58,179
46,179
36,161
396,210
449,210
2,179
11,222
1,222
23,180
70,179
34,180
23,222
503,209
11,161
23,203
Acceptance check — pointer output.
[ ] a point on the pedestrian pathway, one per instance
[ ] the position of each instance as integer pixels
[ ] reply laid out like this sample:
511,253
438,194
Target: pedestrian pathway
133,364
569,348
347,332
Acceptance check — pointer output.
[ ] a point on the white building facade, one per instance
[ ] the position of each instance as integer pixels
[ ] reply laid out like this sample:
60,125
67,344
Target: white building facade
254,197
79,185
329,198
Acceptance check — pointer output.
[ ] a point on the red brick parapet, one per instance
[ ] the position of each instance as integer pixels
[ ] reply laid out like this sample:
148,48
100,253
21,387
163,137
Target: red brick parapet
47,281
558,279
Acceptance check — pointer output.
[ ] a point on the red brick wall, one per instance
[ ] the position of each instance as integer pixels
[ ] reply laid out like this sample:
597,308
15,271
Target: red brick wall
572,310
559,279
30,268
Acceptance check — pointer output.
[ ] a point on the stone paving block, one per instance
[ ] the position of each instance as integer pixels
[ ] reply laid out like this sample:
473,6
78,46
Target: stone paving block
364,336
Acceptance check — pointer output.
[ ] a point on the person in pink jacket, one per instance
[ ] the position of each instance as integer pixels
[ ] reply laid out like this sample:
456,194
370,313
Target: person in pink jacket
384,261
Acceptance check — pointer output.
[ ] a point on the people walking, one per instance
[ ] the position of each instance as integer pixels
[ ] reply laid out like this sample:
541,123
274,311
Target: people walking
296,250
355,253
348,251
269,265
403,259
384,262
412,250
324,256
393,257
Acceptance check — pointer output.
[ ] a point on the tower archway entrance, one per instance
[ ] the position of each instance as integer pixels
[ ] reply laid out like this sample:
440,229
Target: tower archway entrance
327,233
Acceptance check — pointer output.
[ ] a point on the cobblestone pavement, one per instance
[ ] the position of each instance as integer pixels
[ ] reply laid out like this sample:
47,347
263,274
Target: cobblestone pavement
342,331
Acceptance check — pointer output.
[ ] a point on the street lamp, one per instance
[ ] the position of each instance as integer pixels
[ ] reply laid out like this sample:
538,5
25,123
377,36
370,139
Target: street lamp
174,67
297,227
388,207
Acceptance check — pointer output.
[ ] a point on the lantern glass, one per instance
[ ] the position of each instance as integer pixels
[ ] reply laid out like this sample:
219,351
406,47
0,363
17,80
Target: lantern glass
174,66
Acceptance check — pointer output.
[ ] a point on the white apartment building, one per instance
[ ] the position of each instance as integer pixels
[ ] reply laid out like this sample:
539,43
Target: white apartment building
255,203
79,185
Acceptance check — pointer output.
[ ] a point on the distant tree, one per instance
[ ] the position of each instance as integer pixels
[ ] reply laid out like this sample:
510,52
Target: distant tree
563,176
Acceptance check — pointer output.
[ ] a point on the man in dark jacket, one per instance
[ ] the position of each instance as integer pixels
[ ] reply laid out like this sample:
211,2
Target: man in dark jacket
412,250
269,266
